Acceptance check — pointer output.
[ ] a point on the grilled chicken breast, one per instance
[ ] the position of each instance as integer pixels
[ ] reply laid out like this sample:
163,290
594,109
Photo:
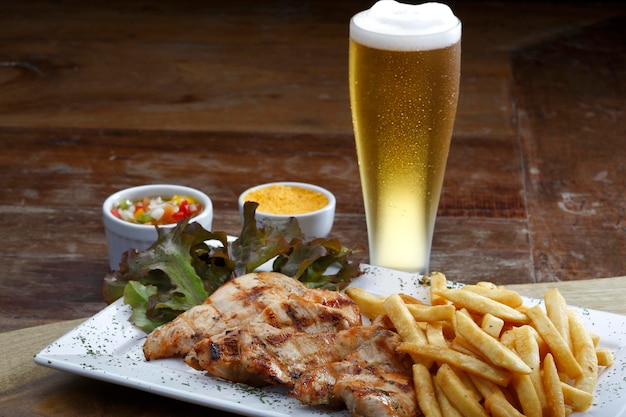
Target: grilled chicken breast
268,329
259,354
329,312
373,380
242,299
377,394
233,303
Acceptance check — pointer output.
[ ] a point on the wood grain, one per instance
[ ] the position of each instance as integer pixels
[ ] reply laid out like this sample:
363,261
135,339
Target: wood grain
576,177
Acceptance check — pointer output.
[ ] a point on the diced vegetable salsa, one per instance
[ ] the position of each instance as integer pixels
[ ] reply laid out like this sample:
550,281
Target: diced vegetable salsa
157,210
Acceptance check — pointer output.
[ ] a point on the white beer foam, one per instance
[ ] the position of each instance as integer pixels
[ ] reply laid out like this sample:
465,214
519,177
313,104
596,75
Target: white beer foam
406,27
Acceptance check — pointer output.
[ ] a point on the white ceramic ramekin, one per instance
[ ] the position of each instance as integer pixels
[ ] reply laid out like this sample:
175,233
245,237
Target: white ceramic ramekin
313,224
122,235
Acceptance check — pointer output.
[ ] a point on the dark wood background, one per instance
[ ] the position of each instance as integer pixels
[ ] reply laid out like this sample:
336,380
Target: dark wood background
99,96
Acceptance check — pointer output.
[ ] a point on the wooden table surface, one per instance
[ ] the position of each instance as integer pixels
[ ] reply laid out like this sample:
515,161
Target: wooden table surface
99,97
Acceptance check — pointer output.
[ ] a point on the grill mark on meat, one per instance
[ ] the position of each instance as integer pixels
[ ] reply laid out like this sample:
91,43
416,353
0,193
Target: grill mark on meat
236,301
328,298
373,380
215,351
266,355
228,346
263,345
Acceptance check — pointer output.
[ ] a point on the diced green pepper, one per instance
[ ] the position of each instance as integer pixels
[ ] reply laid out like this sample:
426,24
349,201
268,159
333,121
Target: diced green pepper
125,204
145,218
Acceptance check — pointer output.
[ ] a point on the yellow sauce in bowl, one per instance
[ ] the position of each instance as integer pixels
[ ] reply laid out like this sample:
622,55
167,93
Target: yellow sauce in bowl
286,199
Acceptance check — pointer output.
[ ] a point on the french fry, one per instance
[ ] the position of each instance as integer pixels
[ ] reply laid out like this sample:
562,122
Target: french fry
584,352
605,357
369,304
402,319
438,282
425,391
527,348
507,338
501,295
434,334
459,396
447,409
492,349
467,381
556,310
483,305
409,299
530,331
478,351
431,313
558,346
552,386
544,349
575,398
527,395
499,406
492,325
458,360
405,325
596,339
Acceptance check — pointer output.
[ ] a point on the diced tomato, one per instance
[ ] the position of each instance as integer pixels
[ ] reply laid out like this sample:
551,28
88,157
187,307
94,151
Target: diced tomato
184,207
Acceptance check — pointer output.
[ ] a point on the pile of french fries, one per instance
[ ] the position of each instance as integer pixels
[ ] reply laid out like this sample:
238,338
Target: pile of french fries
478,350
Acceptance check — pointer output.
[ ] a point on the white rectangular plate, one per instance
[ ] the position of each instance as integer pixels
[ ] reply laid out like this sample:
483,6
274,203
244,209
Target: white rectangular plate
108,348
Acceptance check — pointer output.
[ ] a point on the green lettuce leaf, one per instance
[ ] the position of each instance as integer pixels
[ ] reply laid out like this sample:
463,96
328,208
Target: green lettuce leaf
256,246
311,262
187,263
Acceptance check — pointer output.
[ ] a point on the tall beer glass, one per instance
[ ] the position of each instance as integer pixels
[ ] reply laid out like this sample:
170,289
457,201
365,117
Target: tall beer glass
404,86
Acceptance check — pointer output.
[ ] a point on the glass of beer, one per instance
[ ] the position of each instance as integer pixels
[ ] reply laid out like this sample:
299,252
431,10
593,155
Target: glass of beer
404,86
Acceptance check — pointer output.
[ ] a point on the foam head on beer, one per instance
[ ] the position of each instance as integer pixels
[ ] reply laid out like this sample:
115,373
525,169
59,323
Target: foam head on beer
396,26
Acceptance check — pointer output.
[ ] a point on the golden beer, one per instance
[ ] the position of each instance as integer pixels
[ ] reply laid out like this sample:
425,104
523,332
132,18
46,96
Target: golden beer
403,108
